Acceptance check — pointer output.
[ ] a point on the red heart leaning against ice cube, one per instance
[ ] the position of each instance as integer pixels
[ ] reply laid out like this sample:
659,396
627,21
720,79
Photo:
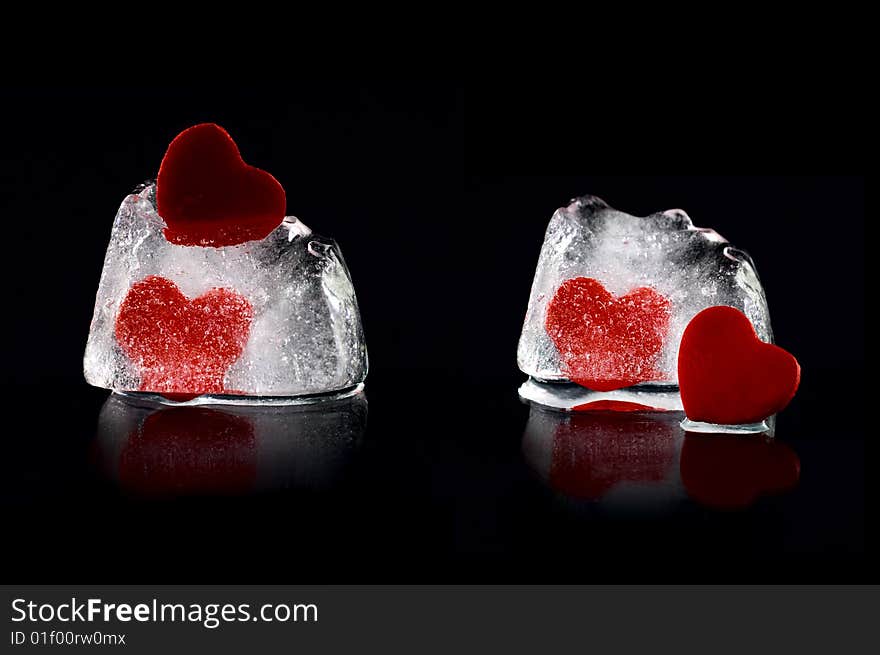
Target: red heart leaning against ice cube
727,375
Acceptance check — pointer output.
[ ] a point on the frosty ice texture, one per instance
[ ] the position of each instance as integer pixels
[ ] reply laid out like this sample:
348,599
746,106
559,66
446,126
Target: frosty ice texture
305,336
692,267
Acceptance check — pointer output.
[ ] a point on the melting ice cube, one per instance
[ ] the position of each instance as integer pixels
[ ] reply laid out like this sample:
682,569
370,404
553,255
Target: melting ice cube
613,294
286,323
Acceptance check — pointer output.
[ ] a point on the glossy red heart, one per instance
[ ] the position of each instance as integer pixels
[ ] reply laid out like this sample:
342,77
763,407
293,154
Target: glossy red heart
208,196
607,342
190,450
727,375
733,471
182,346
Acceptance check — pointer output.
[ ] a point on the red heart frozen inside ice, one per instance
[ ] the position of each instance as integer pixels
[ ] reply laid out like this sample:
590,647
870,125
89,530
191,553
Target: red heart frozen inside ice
190,450
607,342
727,375
208,196
733,471
182,346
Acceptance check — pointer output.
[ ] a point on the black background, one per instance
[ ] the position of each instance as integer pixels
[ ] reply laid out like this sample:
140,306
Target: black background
439,193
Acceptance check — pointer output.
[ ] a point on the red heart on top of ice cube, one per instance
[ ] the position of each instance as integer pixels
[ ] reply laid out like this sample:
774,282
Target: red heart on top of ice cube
607,342
727,375
182,346
208,196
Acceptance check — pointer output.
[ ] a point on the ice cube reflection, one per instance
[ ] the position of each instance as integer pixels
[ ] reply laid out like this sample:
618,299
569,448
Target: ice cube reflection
644,461
154,450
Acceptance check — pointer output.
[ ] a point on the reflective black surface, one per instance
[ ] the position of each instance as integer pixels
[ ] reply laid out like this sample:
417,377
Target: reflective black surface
452,481
439,193
154,450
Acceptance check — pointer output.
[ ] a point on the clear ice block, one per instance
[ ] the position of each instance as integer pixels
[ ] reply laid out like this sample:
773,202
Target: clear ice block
304,334
684,268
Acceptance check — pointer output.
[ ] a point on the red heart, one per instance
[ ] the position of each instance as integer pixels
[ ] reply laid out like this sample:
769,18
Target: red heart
733,471
605,342
727,375
208,196
190,450
180,345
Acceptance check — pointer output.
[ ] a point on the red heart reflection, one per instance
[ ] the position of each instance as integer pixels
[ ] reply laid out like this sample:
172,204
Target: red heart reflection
733,471
187,450
586,455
